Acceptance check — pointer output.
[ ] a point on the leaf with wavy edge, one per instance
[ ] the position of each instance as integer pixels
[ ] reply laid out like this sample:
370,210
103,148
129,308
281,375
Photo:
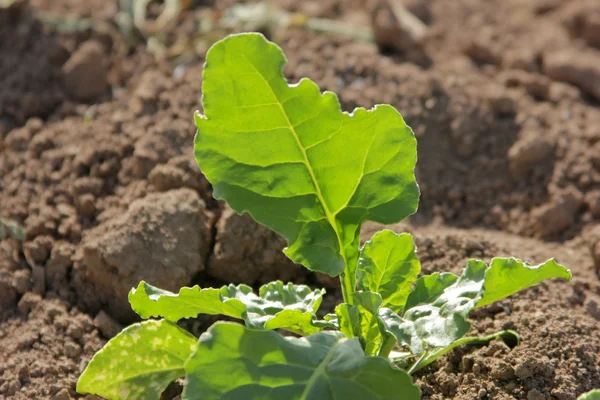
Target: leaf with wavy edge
138,363
289,157
436,311
233,362
287,306
506,276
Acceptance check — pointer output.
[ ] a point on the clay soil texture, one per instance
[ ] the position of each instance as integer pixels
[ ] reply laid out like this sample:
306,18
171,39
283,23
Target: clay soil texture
96,165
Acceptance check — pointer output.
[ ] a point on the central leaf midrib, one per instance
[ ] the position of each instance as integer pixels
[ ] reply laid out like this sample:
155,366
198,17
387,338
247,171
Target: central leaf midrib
319,371
330,217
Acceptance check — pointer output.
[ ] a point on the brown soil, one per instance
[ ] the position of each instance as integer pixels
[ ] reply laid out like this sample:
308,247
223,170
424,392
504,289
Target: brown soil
95,163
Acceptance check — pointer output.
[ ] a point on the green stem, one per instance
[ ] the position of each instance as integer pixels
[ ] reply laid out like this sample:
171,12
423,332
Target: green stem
466,340
417,365
348,284
387,346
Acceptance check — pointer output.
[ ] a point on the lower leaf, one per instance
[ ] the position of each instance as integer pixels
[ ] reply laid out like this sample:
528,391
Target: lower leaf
233,362
138,363
437,309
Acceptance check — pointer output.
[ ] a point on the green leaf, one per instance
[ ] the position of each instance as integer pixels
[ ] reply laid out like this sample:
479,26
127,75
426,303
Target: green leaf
368,304
436,311
233,362
140,362
511,338
507,276
430,287
289,157
149,301
593,395
389,266
278,305
349,320
368,300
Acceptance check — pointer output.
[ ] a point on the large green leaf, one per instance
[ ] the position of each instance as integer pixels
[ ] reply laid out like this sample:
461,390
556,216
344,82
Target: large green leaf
436,311
138,363
287,155
233,362
389,266
277,305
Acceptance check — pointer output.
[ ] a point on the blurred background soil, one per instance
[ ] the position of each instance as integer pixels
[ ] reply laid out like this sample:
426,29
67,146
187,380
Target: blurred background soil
96,166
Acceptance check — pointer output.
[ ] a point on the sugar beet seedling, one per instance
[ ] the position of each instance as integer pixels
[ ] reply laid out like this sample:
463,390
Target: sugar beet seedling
290,158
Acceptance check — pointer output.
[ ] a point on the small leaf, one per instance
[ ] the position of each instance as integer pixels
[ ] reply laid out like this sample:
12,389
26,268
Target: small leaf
289,157
140,362
368,304
507,276
297,304
368,300
349,320
389,266
233,362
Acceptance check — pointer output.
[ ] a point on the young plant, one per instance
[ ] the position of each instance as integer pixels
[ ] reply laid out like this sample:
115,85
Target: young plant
290,158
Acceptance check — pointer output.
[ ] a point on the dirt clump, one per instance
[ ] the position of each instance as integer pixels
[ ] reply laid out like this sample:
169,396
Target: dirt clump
162,239
246,252
576,67
85,72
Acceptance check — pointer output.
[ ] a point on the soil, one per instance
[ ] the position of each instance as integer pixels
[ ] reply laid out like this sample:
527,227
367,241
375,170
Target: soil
96,164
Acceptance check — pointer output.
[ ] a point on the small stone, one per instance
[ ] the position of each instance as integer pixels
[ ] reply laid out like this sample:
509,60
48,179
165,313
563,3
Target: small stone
535,394
24,374
502,104
166,177
526,369
526,153
559,213
22,281
38,250
108,326
591,306
62,394
85,72
482,394
86,204
503,371
72,350
580,68
28,302
13,387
